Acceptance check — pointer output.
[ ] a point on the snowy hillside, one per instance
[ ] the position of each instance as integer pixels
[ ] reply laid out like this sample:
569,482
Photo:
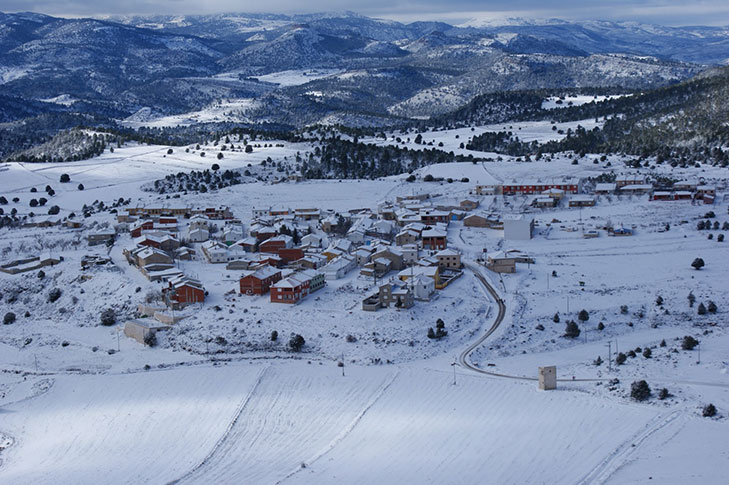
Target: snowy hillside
218,401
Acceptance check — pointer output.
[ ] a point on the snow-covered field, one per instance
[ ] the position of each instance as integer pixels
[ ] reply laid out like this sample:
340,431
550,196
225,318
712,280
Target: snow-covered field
451,140
225,405
297,77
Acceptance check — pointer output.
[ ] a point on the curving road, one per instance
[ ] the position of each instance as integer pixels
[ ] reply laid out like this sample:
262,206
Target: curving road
464,358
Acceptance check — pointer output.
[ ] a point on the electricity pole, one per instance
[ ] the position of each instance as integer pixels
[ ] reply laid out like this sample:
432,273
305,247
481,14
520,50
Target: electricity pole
610,356
454,364
698,361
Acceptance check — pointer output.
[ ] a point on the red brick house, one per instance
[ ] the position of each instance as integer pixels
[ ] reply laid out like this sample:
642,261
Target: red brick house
434,239
265,233
290,290
137,229
258,282
430,216
185,290
289,255
275,244
569,187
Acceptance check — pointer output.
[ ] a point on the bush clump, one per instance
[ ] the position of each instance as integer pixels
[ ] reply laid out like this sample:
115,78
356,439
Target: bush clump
54,295
150,340
296,342
640,390
709,411
688,343
9,318
108,317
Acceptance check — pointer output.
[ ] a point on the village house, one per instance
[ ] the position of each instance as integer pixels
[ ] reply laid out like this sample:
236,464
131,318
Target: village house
356,235
258,282
263,233
233,232
317,281
216,252
432,272
407,236
145,256
449,258
636,189
690,185
432,216
311,261
386,211
625,180
289,255
605,188
707,193
499,262
410,253
199,221
389,294
184,254
581,201
307,214
486,189
198,235
184,290
391,254
311,241
275,244
482,220
433,239
362,255
290,290
101,237
469,204
557,194
544,202
423,287
71,224
339,267
139,227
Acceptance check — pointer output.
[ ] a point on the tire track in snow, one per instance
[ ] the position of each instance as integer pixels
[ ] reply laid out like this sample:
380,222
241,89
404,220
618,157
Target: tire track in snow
239,411
346,431
621,454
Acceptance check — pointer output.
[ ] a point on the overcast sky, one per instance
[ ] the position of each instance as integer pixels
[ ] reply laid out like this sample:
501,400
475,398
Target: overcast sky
667,12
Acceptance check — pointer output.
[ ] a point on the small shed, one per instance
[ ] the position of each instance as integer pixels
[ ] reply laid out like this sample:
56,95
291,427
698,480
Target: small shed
140,328
548,378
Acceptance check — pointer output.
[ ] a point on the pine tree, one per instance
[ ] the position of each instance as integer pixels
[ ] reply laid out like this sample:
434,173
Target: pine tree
571,330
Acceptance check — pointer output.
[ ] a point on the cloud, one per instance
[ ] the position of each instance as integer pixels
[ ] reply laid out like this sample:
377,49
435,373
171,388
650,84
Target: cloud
669,12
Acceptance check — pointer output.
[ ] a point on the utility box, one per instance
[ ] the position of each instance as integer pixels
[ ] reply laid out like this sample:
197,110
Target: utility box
548,378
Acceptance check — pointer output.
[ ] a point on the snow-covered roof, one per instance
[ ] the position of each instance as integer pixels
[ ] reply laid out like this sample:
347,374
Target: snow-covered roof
262,273
434,233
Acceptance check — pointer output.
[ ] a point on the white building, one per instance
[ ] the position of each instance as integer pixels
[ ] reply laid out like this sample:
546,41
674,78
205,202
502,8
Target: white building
518,228
339,267
198,235
423,287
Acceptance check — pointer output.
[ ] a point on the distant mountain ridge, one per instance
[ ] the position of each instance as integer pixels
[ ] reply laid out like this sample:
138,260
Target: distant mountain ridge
382,71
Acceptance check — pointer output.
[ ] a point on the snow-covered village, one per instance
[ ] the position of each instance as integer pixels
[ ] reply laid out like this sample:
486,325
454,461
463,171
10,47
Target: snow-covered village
478,298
